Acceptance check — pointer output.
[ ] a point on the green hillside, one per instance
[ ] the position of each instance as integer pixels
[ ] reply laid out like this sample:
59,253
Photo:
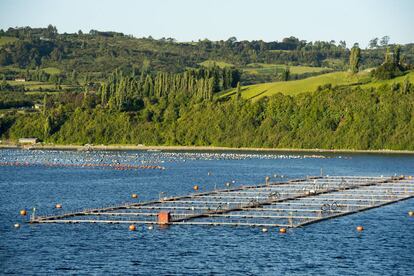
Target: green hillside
400,79
211,63
264,68
311,84
6,39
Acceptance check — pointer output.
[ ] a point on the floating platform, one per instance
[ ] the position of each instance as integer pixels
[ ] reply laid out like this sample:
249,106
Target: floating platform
293,203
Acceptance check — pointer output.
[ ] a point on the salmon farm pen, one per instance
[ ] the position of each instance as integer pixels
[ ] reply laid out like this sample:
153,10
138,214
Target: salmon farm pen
293,203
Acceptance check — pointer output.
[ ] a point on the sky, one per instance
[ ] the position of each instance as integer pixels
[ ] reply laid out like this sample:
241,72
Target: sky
191,20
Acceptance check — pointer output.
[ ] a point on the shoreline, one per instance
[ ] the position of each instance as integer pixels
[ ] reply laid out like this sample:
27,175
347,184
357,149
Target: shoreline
193,148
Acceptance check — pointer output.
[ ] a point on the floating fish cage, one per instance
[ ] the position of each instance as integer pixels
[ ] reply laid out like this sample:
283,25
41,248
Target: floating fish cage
292,203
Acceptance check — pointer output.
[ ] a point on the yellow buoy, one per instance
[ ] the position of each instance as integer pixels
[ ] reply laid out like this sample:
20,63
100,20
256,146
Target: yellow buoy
195,187
16,225
132,227
282,230
360,228
134,196
58,206
411,213
23,212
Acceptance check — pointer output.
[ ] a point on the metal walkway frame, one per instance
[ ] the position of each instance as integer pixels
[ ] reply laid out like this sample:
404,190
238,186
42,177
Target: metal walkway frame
293,203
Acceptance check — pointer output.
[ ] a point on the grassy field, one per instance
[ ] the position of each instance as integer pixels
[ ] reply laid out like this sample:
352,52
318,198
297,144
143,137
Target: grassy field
311,84
210,63
49,70
334,63
52,70
42,92
6,39
280,51
263,68
36,85
295,87
399,79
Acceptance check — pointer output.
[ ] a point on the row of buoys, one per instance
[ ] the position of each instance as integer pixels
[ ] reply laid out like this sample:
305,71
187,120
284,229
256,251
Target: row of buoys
88,165
282,230
132,227
227,184
231,156
23,212
98,157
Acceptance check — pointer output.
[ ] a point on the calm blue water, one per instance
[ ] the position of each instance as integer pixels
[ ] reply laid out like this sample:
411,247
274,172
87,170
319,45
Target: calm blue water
328,248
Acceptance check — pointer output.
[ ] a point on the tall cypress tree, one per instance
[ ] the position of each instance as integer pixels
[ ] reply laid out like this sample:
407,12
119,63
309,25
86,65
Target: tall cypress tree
355,59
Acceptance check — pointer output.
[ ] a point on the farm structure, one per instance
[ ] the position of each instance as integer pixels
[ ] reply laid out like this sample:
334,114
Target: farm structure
293,203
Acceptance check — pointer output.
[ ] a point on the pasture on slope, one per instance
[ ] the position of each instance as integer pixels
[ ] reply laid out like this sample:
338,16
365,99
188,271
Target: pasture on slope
265,68
363,78
7,39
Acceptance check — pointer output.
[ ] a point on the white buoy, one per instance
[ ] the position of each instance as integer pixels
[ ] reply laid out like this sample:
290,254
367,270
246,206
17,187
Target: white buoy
264,229
16,225
150,227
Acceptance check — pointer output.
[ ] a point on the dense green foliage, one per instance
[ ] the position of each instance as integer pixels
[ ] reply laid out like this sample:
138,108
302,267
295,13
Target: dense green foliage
392,66
110,88
355,59
94,55
128,92
351,118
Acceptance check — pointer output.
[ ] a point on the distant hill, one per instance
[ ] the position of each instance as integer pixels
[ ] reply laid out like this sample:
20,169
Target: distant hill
96,54
111,88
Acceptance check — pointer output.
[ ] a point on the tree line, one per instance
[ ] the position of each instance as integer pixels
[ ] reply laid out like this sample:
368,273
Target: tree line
103,52
127,92
332,118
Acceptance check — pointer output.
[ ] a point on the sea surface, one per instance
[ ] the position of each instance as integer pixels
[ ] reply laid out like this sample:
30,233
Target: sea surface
78,180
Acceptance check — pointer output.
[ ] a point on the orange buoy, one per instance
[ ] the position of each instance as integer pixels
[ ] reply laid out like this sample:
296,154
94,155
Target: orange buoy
23,212
360,228
411,213
132,227
58,206
134,196
195,187
282,230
